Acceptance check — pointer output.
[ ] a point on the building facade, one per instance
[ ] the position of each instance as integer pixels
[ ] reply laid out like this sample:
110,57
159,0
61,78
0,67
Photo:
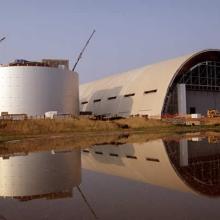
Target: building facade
185,85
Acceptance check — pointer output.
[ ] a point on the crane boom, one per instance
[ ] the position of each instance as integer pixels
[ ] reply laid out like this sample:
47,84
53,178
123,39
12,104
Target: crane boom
82,51
2,39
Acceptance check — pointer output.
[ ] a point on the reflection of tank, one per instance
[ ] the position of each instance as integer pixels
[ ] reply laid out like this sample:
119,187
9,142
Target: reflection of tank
153,162
38,175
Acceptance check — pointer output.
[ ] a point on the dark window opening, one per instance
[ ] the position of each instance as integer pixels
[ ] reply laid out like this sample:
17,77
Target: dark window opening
128,95
113,155
83,103
152,159
97,100
131,157
150,91
192,110
98,152
113,97
86,151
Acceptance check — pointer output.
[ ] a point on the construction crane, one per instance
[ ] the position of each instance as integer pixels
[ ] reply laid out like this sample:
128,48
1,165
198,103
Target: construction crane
2,39
82,51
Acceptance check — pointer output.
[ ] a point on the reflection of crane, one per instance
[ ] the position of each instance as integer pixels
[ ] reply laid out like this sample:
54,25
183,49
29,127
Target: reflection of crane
87,203
2,39
81,53
2,217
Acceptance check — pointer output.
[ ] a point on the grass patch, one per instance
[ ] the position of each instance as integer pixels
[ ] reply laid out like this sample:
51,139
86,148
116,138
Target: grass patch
10,130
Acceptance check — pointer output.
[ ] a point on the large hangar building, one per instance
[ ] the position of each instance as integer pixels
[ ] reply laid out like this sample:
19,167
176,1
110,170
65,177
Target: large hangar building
185,85
34,88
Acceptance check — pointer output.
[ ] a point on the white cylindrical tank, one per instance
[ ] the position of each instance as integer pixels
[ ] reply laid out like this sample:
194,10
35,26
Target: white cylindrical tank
34,90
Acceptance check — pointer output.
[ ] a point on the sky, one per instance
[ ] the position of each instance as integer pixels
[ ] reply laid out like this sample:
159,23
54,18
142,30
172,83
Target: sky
129,33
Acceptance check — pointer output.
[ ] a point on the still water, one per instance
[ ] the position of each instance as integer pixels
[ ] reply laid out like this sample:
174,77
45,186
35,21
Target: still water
160,179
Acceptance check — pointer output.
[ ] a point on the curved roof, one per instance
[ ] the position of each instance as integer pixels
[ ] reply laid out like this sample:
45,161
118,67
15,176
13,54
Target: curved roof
147,79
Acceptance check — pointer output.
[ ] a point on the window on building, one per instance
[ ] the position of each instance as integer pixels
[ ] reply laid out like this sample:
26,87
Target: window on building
130,94
150,91
99,152
97,100
113,155
113,97
83,103
131,157
152,159
192,110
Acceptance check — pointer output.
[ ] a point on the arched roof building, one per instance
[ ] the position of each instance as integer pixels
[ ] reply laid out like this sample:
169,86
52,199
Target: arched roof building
169,87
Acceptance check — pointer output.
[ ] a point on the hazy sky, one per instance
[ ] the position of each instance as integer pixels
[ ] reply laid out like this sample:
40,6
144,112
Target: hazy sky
129,33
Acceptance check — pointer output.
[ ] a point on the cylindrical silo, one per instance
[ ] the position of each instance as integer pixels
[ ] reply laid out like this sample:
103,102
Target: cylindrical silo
36,89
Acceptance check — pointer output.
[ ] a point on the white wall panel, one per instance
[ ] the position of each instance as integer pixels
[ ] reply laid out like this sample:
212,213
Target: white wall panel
36,90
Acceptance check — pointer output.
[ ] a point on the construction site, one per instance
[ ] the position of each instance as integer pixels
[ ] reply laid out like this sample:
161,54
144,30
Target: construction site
181,87
185,89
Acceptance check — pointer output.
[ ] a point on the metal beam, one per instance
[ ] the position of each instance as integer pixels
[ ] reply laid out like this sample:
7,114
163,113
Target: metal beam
2,39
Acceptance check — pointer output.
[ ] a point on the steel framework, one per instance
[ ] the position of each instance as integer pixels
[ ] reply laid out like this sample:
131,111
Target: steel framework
204,76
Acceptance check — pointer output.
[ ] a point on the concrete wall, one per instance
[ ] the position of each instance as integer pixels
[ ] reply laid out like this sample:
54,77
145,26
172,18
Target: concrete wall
181,99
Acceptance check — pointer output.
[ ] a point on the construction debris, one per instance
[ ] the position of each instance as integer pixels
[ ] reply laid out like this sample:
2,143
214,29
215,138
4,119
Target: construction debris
212,113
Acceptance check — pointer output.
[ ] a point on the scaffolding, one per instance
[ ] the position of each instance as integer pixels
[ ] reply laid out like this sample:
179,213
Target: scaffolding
204,76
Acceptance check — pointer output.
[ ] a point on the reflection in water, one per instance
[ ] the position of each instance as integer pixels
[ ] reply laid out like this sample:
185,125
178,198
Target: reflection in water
197,163
185,165
2,217
48,175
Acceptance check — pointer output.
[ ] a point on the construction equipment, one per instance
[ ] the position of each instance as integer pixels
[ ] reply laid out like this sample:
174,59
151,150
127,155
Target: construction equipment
212,113
82,51
2,39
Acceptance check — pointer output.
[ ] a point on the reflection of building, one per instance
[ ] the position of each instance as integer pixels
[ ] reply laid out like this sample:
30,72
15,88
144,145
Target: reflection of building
34,88
198,164
189,84
167,164
40,175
